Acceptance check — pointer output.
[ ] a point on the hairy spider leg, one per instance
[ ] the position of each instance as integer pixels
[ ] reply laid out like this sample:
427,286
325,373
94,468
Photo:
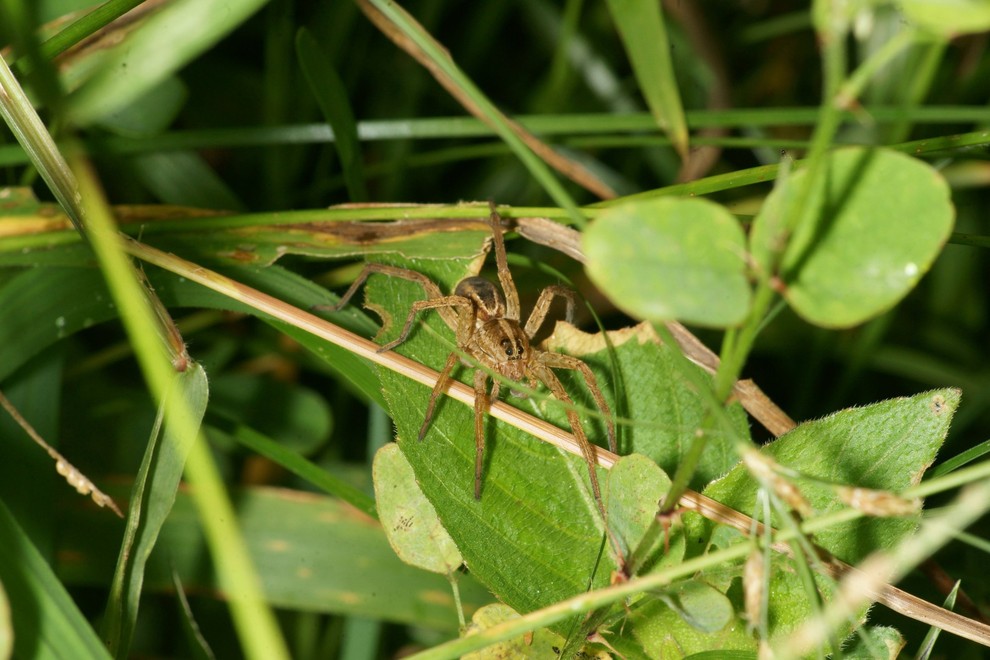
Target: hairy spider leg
432,290
442,381
548,378
504,274
561,361
481,402
542,307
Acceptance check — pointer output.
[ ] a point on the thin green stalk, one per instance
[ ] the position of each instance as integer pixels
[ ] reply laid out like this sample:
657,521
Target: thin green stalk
254,620
86,25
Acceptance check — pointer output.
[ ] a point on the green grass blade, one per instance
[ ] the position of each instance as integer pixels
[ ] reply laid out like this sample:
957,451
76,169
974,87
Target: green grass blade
151,501
6,626
331,95
85,26
178,33
465,89
47,623
641,26
305,469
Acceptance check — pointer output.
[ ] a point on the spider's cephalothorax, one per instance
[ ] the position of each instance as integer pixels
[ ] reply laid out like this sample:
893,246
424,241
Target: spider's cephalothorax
488,329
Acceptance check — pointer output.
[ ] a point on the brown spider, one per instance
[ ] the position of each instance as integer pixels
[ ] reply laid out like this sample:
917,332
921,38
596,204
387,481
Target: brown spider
487,328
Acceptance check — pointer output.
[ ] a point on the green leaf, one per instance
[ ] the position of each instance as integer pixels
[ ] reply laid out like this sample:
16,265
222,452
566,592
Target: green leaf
151,501
331,95
411,524
668,259
159,47
314,553
660,399
659,631
948,18
641,26
701,606
48,623
635,486
881,219
881,642
886,446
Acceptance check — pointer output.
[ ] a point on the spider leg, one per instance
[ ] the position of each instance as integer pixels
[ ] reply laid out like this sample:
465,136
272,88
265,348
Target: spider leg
432,290
442,381
544,374
481,403
504,274
444,305
561,361
542,307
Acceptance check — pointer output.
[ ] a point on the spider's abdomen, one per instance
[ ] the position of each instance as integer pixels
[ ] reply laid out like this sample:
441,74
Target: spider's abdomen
488,300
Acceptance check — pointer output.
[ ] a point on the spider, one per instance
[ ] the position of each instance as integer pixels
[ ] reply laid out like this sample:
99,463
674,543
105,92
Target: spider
486,322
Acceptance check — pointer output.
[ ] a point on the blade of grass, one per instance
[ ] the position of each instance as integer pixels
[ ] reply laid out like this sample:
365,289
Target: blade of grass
151,501
405,31
254,620
331,95
641,26
83,27
76,188
48,624
161,46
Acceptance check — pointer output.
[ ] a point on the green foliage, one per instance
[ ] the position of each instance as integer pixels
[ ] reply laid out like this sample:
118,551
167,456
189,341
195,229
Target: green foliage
671,259
325,110
850,258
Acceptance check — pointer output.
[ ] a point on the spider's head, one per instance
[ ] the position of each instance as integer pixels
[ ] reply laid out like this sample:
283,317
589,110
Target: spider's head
505,347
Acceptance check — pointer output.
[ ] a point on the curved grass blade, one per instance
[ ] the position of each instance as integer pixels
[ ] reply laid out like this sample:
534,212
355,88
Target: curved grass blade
48,623
162,45
331,96
641,26
151,501
402,28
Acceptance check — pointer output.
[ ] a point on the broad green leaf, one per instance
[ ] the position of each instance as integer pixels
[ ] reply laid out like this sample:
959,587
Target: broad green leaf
671,259
314,554
47,623
641,26
331,95
662,403
655,630
151,501
879,639
886,445
409,520
948,18
880,219
635,486
6,626
159,47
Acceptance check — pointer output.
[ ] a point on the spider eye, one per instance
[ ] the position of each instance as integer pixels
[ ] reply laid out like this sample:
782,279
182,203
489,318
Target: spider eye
508,350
